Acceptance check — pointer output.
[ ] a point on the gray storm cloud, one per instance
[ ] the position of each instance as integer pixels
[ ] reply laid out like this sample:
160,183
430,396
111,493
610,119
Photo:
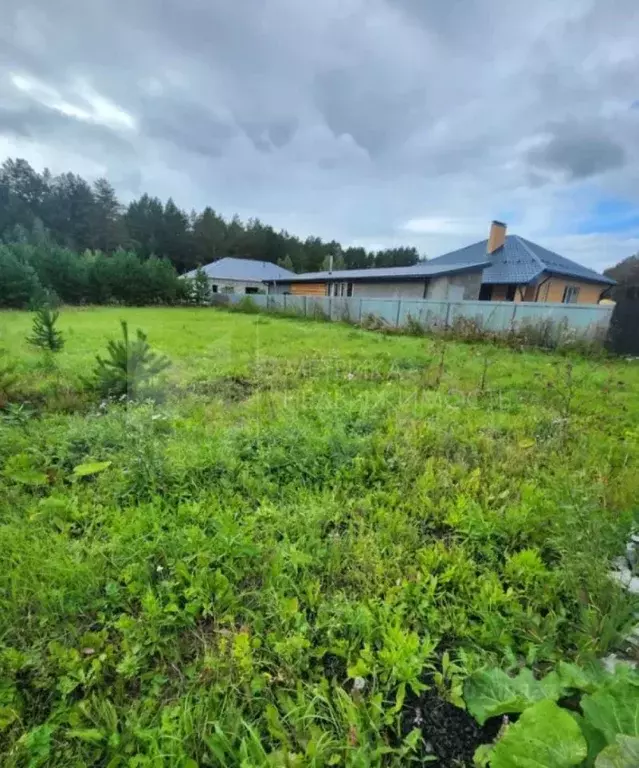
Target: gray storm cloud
346,118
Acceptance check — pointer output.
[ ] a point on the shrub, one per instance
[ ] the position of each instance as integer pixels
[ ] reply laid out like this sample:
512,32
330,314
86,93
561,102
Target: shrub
246,305
129,367
413,327
8,379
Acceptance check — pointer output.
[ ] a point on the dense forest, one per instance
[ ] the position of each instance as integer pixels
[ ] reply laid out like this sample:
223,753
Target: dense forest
68,211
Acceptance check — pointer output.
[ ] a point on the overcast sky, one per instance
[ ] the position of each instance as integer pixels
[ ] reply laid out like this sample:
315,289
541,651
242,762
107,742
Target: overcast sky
377,122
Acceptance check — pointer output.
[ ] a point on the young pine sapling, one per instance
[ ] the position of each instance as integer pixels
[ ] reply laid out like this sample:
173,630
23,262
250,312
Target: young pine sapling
201,287
130,366
44,333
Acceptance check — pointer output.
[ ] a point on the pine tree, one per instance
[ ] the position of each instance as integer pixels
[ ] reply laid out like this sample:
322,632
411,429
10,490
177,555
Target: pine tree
201,287
44,334
286,263
129,366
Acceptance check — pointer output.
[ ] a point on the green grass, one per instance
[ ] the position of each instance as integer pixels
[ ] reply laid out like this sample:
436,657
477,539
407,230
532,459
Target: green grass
307,503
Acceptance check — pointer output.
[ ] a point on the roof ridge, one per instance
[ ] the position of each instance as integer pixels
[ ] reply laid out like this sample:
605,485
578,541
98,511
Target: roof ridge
525,245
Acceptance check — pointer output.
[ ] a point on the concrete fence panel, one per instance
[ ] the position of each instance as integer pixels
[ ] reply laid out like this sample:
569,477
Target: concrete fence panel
587,322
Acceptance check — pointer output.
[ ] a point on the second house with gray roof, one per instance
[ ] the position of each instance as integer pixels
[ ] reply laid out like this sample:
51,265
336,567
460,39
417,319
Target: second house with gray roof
230,275
500,268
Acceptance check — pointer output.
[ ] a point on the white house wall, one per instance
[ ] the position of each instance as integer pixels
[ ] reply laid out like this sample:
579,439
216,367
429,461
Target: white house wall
237,286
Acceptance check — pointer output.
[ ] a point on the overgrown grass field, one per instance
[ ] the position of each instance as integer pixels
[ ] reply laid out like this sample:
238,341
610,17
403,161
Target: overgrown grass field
309,527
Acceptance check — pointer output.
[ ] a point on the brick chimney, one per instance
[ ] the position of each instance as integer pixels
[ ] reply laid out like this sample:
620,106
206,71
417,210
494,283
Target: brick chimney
497,236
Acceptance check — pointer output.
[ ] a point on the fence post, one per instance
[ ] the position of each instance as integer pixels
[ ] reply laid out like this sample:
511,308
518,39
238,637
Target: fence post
512,319
447,320
399,310
330,307
361,304
284,301
305,306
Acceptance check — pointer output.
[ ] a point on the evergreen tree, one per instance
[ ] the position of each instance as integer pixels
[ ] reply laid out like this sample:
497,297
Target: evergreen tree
69,211
23,193
144,220
176,243
201,287
161,281
336,260
626,273
286,263
19,284
109,231
357,258
209,236
130,366
44,334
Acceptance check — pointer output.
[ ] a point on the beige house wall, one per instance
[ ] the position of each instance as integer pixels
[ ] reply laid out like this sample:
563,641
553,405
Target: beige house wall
553,290
308,289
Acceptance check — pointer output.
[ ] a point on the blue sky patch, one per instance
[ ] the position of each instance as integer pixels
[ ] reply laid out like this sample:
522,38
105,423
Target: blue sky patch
611,215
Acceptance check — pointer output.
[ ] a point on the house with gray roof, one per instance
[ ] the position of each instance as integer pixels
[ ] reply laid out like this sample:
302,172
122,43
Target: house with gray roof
230,275
501,268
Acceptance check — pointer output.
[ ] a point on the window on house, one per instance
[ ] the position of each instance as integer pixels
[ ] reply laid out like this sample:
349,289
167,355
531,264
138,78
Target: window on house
511,290
251,289
339,289
571,294
214,288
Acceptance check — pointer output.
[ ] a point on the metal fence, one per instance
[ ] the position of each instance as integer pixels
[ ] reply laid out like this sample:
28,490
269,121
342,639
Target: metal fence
557,322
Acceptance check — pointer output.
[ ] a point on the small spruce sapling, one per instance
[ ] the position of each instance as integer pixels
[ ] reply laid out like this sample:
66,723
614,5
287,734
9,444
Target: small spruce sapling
201,287
44,333
130,366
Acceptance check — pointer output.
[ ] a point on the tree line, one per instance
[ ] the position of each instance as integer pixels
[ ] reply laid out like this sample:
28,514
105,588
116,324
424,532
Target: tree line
69,212
626,273
34,274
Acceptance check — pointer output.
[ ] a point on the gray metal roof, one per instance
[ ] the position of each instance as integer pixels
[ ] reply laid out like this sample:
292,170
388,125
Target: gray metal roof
422,269
520,261
243,269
